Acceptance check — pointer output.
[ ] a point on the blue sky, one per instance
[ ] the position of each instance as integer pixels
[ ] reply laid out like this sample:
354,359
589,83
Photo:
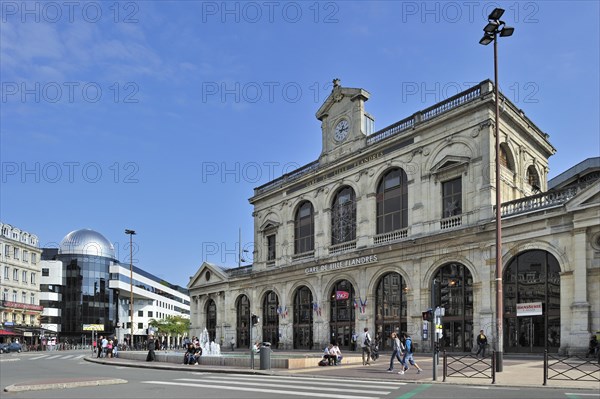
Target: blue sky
163,116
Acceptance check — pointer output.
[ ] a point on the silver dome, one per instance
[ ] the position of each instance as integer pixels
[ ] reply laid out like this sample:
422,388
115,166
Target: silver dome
87,242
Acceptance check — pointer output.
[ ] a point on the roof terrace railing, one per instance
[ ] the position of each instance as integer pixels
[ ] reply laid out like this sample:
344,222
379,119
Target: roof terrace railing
385,133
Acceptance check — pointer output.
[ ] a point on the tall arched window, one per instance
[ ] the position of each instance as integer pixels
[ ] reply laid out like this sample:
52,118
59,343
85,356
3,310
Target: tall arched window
453,284
532,277
392,202
303,319
304,228
533,178
243,322
211,319
390,307
271,319
505,159
341,321
343,216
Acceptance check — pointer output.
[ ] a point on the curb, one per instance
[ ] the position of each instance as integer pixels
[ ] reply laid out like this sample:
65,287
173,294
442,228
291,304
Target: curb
177,367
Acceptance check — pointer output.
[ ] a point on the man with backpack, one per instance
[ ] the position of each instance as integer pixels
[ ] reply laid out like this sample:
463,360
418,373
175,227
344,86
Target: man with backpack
408,355
365,343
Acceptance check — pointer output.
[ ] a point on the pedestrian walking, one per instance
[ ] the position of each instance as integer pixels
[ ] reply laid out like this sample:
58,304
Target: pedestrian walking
397,349
365,344
481,344
115,347
100,346
232,343
408,355
592,347
104,349
151,347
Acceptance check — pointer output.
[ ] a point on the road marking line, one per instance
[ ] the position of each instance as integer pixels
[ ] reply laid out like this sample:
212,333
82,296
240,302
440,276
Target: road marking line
53,357
415,391
313,381
67,357
276,391
575,395
260,383
325,380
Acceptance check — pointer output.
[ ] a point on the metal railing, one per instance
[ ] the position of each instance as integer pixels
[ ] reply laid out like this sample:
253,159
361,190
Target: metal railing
469,366
570,368
395,129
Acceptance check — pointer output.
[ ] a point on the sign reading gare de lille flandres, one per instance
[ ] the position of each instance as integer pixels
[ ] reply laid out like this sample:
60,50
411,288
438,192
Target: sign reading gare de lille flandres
363,260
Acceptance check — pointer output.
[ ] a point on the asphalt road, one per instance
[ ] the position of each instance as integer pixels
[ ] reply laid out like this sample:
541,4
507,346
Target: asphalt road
149,383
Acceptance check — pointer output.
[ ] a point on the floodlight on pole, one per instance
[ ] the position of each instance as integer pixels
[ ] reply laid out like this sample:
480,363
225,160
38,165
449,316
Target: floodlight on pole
131,233
494,28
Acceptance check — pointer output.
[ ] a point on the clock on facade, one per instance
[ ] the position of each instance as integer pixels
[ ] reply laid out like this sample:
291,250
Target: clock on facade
341,130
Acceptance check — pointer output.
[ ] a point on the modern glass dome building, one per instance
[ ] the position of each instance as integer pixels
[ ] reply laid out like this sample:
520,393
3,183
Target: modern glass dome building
86,256
90,289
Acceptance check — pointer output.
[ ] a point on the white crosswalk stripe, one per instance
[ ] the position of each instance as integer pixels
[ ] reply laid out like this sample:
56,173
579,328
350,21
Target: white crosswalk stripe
57,357
285,386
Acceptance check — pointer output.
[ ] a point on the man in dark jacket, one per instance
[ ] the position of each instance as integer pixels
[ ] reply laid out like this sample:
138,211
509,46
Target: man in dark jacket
151,347
481,343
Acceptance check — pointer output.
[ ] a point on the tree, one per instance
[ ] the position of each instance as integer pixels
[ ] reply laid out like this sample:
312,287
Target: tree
175,325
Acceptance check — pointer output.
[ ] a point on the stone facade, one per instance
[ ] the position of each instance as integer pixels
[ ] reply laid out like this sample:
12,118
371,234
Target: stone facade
449,143
20,280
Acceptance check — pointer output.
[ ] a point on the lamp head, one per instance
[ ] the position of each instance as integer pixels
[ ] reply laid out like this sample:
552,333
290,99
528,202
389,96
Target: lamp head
507,31
496,14
486,39
491,27
127,231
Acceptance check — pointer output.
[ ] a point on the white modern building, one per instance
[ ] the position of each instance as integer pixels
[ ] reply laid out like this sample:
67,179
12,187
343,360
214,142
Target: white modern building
85,288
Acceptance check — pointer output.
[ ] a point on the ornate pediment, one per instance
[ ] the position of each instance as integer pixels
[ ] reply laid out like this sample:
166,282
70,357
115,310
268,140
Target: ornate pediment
207,273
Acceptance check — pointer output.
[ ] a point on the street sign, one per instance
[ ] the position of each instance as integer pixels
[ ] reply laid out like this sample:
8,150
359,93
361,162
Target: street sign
93,327
529,309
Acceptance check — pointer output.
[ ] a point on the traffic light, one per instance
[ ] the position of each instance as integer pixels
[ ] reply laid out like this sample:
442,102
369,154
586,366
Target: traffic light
427,315
254,319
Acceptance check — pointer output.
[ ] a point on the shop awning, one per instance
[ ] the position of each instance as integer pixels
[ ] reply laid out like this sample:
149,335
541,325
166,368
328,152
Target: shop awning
6,332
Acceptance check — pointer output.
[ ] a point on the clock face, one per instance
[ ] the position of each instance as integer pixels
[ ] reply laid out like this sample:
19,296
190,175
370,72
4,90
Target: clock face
341,130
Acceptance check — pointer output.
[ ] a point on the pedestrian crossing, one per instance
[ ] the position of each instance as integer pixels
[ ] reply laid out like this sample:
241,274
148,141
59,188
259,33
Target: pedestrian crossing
279,386
57,357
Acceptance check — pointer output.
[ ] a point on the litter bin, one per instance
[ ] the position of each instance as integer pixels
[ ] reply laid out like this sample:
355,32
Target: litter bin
265,356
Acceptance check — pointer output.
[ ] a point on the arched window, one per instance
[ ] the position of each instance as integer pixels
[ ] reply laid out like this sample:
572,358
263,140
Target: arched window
453,286
341,322
343,216
303,319
304,228
505,159
270,316
390,308
243,322
211,319
533,178
392,202
532,277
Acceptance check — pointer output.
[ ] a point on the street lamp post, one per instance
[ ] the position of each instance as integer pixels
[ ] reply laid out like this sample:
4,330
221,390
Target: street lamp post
494,28
131,233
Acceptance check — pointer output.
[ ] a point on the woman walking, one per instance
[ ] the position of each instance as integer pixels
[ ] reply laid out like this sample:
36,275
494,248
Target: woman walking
397,349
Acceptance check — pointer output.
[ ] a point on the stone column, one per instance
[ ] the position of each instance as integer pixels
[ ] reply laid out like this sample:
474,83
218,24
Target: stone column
579,307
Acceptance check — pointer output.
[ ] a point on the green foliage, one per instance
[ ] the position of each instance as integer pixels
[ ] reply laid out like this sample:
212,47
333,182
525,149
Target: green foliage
175,325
